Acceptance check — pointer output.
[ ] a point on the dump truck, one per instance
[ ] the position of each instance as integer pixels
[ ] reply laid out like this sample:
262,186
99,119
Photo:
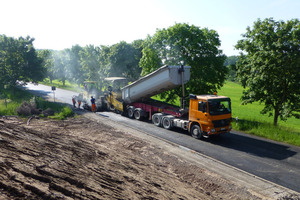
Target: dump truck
206,115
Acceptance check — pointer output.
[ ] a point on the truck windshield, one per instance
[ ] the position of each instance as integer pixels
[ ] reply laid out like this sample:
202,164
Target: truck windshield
219,106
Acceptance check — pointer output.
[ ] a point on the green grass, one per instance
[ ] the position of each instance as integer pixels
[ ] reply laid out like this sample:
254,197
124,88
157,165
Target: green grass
251,111
10,109
15,97
64,113
59,84
61,111
253,122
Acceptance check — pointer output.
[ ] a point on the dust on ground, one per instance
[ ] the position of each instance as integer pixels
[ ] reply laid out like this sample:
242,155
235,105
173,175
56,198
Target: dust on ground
80,158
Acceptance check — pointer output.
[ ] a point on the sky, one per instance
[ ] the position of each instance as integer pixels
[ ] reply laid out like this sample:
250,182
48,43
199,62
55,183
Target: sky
60,24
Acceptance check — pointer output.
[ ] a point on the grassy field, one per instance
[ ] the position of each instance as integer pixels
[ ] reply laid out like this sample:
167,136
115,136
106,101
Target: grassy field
13,100
251,111
58,84
253,122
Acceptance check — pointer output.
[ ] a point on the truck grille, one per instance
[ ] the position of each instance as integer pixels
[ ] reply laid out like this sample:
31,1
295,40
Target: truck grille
221,123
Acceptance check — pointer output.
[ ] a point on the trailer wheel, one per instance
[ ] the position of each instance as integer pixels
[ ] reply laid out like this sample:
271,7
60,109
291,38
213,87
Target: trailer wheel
196,132
167,123
138,114
130,112
156,119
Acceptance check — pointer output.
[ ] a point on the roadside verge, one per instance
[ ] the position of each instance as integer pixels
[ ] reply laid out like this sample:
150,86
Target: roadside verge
255,185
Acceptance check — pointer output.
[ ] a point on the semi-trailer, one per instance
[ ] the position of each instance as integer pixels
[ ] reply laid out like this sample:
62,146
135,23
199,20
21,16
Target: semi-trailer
206,115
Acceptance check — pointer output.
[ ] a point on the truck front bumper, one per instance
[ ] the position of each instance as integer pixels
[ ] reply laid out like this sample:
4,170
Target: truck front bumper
216,131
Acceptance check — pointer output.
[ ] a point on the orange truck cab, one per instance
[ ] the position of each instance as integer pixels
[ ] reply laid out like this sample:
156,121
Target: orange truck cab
209,115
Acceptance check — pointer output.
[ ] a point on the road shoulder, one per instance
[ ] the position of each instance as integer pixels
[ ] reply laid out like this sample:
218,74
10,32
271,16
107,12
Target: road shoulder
255,185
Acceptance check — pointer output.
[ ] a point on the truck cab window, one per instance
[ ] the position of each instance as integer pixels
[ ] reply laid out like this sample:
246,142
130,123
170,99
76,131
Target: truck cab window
202,106
219,106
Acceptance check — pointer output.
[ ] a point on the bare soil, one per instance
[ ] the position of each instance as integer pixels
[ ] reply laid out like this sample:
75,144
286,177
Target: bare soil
80,158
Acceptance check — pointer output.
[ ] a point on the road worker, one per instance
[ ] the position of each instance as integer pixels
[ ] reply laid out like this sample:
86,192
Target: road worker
93,104
79,99
74,101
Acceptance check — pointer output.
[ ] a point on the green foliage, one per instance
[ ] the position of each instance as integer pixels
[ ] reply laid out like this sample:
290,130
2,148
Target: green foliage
10,109
90,62
231,60
253,122
251,112
75,71
270,69
65,112
14,97
230,64
124,60
267,130
19,62
61,111
192,46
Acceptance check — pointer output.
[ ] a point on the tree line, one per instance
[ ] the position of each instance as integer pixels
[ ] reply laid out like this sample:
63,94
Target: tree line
93,63
268,67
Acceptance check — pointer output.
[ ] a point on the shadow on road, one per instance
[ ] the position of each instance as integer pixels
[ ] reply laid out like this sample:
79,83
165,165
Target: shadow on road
40,93
247,143
251,145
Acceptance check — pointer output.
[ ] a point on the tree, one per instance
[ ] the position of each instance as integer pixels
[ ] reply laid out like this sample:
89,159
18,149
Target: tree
90,61
192,46
270,67
19,61
230,64
48,63
124,60
61,61
75,71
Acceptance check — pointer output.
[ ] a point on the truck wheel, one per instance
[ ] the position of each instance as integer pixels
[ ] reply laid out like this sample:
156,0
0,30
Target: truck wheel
156,119
196,132
167,123
112,107
138,114
130,111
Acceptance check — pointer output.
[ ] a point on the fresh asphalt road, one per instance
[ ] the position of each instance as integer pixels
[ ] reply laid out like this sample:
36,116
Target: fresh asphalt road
273,161
45,91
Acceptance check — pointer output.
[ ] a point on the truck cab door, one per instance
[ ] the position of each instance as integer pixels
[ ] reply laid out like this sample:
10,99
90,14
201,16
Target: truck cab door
202,111
198,111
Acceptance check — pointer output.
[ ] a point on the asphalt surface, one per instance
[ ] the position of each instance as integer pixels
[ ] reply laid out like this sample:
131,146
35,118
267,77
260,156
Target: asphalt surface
273,161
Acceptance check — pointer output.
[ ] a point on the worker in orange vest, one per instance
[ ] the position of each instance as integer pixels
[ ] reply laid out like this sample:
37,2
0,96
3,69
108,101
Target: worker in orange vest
93,104
74,101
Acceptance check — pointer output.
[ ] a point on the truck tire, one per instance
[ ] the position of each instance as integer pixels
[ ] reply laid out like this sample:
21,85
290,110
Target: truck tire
167,123
130,112
112,107
156,119
196,132
138,114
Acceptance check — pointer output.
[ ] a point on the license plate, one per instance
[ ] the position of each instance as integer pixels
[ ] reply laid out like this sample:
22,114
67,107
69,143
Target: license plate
223,129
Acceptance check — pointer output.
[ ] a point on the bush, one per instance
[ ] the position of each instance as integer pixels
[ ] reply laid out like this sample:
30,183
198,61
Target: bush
47,112
27,109
66,112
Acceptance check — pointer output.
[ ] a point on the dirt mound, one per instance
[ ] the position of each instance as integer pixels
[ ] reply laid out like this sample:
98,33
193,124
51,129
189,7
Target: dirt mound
27,109
81,159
